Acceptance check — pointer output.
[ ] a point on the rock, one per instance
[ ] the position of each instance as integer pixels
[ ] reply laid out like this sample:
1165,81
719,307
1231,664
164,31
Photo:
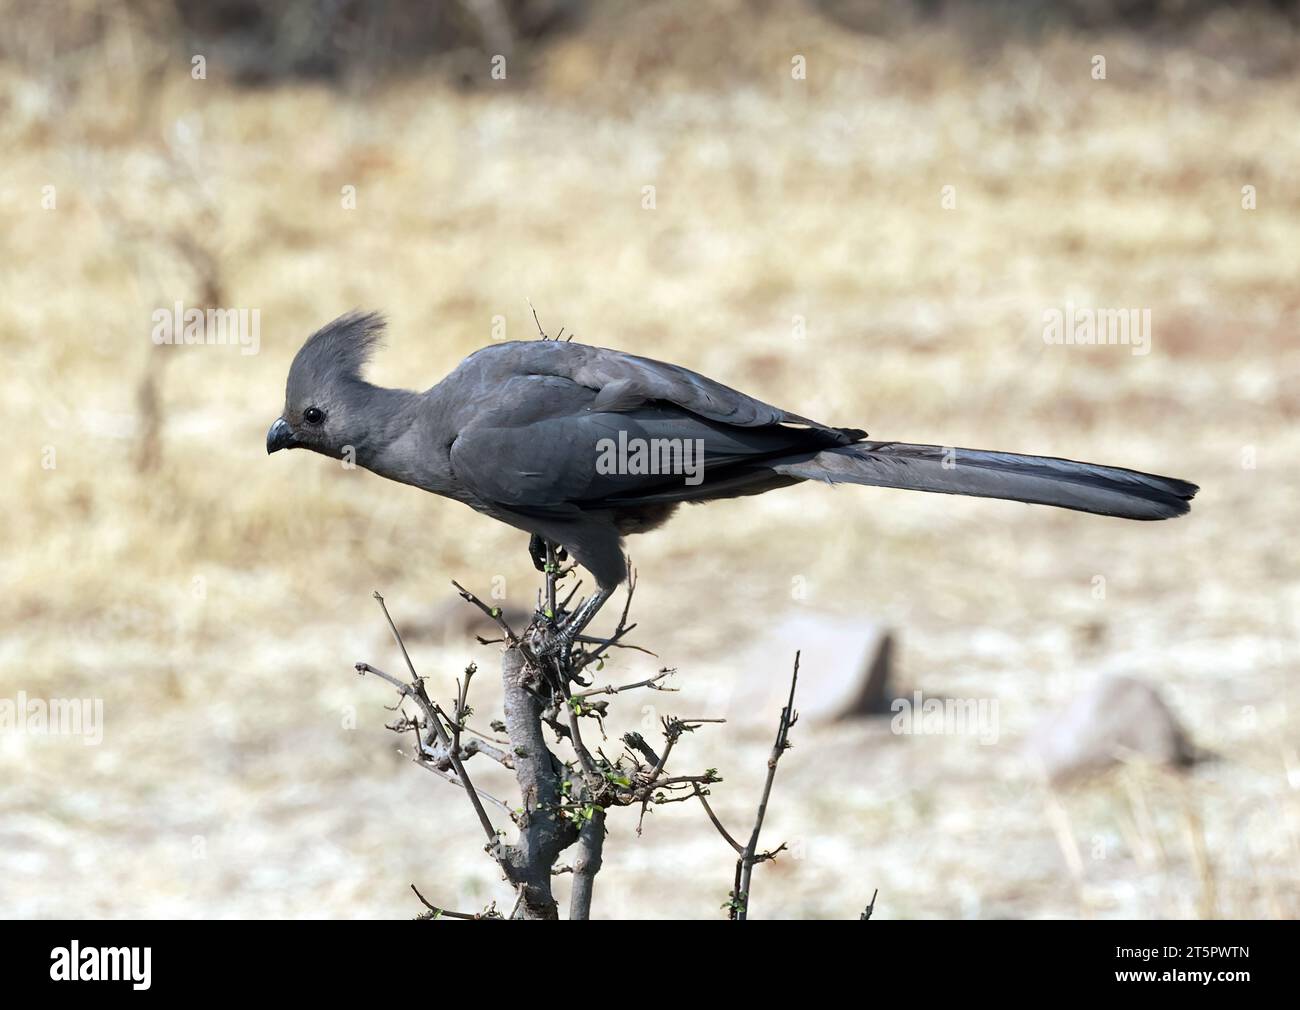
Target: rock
1117,719
844,670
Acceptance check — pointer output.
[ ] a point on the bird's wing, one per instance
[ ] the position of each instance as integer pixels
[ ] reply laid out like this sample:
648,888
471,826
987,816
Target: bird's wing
623,382
542,444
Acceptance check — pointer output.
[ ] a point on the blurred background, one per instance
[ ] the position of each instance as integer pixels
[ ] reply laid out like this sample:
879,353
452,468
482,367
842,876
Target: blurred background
862,211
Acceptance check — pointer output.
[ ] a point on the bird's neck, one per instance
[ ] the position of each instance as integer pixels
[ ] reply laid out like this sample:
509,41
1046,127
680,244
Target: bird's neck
399,441
389,414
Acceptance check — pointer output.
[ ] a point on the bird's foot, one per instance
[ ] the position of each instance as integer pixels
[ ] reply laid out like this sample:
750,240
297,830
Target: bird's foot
557,643
537,551
555,656
557,649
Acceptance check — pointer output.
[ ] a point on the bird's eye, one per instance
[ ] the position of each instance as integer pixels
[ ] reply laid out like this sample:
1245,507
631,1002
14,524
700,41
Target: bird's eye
313,415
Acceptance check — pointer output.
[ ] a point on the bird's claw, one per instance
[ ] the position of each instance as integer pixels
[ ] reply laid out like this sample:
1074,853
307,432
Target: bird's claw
557,644
537,551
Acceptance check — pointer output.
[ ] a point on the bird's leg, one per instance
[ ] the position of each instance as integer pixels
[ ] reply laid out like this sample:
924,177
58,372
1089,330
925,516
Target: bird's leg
564,633
581,617
564,630
557,645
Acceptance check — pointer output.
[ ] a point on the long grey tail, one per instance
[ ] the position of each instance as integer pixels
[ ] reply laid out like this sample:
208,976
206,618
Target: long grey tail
1043,480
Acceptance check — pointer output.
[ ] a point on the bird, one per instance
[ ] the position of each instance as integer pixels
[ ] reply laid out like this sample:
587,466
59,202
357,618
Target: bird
580,446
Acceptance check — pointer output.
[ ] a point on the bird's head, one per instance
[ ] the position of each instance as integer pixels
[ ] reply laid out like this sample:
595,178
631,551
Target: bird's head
324,398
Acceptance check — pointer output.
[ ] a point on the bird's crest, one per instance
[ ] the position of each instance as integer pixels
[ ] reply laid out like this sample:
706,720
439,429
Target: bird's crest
340,349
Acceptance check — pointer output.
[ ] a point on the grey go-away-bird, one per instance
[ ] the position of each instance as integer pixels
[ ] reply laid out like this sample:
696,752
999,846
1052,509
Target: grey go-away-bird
561,440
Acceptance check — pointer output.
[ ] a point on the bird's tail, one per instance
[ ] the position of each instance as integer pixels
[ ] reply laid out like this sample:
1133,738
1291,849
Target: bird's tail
1044,480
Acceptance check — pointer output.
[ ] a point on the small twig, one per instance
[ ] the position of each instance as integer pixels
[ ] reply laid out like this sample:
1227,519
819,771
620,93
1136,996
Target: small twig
445,913
493,612
636,741
649,682
621,629
672,730
417,691
609,643
540,332
726,835
866,912
564,604
584,755
415,677
670,742
449,777
491,739
745,865
480,746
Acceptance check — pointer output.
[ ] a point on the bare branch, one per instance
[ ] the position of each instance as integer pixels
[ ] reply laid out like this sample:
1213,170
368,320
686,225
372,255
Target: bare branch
396,637
575,734
745,865
562,804
450,777
434,912
416,691
479,746
585,659
650,682
726,835
493,612
636,742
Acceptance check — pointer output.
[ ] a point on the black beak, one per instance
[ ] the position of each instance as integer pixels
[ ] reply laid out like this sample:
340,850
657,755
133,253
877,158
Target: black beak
280,436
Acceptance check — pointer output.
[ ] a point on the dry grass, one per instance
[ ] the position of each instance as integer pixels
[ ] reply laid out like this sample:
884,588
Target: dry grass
216,603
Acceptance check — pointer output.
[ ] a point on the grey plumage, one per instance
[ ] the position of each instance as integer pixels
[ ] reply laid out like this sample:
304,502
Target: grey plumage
514,433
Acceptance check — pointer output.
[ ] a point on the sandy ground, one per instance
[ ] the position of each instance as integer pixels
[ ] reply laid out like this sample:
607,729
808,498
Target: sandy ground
798,247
